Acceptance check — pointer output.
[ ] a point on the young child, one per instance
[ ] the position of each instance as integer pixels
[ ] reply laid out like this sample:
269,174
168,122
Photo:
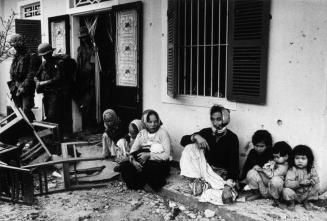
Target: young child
269,179
124,144
301,181
258,156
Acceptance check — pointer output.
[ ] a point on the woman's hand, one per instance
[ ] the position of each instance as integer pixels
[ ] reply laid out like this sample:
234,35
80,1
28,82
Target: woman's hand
137,165
143,157
305,183
202,143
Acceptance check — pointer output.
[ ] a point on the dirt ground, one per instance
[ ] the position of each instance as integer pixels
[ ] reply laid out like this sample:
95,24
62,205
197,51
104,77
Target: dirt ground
114,202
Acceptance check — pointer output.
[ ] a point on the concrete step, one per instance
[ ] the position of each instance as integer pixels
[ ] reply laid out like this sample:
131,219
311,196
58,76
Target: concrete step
176,190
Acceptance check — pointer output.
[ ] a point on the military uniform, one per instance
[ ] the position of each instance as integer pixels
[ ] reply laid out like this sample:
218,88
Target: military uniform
53,70
22,86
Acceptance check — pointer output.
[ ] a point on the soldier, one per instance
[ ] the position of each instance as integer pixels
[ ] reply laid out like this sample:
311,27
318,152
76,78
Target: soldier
52,79
22,70
86,79
47,81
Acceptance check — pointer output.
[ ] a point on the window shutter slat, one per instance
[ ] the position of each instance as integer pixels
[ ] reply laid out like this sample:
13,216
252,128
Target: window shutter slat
31,30
248,51
171,51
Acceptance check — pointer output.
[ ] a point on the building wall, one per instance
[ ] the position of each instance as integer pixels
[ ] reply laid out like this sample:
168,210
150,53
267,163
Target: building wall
296,99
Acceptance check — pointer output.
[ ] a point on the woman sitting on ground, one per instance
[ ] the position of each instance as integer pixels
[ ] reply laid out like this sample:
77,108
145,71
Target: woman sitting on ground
149,156
111,133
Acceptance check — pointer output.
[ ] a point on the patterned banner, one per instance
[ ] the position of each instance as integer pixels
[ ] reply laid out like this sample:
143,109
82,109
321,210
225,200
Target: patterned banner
126,49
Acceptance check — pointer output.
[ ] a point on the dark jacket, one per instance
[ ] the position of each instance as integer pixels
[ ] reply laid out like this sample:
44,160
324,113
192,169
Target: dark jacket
256,159
23,69
53,70
223,154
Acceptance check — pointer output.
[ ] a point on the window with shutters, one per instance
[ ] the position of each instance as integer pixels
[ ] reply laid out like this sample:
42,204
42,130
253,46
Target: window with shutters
31,10
31,31
218,48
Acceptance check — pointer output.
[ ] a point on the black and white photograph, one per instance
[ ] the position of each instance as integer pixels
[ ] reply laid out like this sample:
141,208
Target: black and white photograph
136,110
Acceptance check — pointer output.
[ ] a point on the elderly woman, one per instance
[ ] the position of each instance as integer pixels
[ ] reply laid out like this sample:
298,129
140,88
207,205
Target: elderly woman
149,156
111,133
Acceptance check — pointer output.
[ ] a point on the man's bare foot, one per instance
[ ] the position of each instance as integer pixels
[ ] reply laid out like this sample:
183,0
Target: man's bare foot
307,205
291,205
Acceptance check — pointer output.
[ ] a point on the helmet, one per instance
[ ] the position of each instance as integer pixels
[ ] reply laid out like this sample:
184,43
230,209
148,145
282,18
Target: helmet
44,48
16,39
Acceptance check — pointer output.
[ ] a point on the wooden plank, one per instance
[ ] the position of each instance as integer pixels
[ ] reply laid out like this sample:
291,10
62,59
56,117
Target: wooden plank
65,168
6,167
28,187
31,153
67,160
30,150
46,132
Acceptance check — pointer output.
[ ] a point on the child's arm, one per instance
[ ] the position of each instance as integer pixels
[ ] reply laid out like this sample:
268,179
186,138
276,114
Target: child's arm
290,180
137,143
314,176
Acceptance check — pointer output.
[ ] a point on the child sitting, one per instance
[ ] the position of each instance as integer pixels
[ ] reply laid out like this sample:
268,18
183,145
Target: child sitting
258,156
301,181
124,144
270,178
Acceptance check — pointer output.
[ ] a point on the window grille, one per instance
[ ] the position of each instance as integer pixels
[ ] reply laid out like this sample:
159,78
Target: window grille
79,3
31,10
202,47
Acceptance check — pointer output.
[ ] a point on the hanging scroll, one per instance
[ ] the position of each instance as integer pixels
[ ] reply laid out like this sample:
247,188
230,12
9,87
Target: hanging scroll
126,49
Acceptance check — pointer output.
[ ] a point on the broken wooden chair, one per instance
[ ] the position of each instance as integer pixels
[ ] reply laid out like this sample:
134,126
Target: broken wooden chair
16,126
16,185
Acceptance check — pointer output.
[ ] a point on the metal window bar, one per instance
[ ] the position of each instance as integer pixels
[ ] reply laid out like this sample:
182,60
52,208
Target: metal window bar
197,48
178,45
219,19
211,53
191,51
185,21
204,48
227,14
184,46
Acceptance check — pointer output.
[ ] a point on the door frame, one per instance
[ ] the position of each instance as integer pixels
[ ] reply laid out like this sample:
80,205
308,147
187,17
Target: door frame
138,6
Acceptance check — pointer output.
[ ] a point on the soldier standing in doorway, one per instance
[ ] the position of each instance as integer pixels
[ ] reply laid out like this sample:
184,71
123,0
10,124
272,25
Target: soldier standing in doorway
22,70
86,79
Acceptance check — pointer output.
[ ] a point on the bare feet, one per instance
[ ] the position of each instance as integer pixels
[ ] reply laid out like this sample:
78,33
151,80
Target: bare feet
254,196
307,205
291,205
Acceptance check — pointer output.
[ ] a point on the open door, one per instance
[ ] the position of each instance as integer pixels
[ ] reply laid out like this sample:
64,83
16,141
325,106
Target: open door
126,91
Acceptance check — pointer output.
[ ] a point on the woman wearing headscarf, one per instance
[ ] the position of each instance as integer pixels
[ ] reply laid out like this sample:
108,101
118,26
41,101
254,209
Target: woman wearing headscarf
111,133
149,156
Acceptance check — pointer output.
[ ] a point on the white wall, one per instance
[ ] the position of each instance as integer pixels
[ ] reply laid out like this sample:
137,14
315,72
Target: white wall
296,83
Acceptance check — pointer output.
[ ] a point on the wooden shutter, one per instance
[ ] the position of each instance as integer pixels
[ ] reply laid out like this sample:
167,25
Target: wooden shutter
172,49
248,51
31,30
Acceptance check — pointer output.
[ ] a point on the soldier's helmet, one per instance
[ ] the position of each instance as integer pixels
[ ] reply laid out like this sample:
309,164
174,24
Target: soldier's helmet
16,40
44,48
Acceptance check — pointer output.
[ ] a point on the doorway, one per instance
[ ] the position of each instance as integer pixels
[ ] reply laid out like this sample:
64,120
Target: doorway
104,87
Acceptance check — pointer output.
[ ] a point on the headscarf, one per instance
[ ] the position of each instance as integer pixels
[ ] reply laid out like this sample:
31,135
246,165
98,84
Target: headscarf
108,115
139,124
145,116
